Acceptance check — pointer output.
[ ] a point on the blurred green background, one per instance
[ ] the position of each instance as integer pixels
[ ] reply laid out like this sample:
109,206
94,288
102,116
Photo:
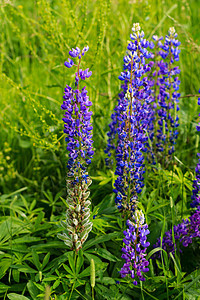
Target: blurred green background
35,39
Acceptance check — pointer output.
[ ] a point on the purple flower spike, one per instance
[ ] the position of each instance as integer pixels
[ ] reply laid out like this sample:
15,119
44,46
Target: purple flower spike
166,94
78,130
134,251
131,121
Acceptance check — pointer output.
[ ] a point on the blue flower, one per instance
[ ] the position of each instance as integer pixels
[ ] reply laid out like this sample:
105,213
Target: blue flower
78,130
134,250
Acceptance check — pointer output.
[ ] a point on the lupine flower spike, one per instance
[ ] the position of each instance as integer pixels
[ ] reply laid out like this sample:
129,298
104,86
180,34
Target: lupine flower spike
134,250
133,118
78,128
166,94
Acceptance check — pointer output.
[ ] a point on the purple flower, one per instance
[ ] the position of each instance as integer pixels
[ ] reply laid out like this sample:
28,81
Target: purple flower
74,52
69,63
78,130
166,95
131,121
134,251
183,234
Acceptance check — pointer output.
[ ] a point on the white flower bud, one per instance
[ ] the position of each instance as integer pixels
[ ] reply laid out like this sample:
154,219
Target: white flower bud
86,195
78,245
75,222
71,229
136,27
75,237
84,237
78,208
87,203
172,30
85,221
68,243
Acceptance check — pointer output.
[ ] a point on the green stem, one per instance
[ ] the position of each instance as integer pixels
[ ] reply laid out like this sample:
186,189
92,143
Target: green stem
75,256
72,290
141,290
92,293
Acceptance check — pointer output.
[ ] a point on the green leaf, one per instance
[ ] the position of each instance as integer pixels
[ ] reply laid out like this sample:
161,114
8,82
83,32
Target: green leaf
45,260
27,269
33,290
153,251
80,261
71,261
3,287
157,207
4,266
100,239
50,278
36,259
106,280
107,255
56,284
13,296
15,274
39,286
5,196
68,270
24,144
91,256
85,273
27,239
39,219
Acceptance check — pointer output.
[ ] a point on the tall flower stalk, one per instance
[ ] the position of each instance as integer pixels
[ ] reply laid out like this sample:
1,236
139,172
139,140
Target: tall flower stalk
131,127
134,119
78,130
134,250
166,95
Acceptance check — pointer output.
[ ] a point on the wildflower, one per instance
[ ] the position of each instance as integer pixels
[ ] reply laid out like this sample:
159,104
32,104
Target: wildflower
167,84
78,129
132,119
134,250
183,234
